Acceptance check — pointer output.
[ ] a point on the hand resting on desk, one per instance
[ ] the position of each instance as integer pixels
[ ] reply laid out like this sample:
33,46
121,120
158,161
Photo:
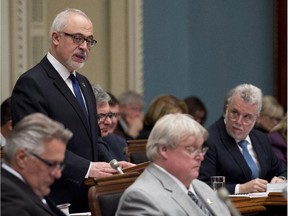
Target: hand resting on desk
103,169
257,185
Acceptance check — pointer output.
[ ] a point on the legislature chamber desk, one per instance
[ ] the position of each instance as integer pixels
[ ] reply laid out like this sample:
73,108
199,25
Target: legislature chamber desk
275,204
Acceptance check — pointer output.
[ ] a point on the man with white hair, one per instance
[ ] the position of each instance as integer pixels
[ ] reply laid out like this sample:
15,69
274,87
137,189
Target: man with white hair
169,185
237,151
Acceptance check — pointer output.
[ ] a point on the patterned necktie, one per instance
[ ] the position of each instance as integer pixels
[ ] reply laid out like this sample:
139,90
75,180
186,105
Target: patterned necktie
243,144
199,204
76,89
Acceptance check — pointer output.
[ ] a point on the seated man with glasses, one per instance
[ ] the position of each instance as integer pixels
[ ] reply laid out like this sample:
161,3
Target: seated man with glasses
169,185
33,159
237,151
116,144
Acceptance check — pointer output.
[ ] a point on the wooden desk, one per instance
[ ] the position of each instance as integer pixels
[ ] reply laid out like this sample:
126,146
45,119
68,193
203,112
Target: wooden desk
275,204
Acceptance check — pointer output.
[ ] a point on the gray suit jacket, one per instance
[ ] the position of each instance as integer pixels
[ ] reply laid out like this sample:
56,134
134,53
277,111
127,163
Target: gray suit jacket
155,193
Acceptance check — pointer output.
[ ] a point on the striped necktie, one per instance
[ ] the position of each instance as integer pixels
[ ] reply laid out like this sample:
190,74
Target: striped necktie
199,204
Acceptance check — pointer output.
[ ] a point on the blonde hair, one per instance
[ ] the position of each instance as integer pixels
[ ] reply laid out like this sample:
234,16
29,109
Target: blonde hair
162,105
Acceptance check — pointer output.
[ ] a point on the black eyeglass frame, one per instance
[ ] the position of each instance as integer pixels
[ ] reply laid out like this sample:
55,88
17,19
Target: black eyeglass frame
90,41
51,165
103,116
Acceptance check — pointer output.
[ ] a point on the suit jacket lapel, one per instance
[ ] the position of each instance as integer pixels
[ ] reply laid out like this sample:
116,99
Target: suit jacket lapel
64,89
27,190
232,147
176,193
259,153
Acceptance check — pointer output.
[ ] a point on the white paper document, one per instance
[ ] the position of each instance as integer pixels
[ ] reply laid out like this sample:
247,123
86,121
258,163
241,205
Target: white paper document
276,187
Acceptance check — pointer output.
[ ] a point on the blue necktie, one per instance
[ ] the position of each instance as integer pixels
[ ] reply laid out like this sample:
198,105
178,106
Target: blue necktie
198,203
243,144
77,92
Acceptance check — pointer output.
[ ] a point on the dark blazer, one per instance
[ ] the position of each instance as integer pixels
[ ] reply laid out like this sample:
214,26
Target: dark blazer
17,198
224,158
116,145
41,89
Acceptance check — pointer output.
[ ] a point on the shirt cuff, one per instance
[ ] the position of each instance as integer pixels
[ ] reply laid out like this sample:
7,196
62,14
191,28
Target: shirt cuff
87,174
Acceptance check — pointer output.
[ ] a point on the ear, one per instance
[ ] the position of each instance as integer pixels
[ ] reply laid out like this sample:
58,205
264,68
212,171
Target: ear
55,38
21,158
163,151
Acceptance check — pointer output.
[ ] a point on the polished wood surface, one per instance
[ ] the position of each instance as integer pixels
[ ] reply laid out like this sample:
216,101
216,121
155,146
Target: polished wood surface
275,203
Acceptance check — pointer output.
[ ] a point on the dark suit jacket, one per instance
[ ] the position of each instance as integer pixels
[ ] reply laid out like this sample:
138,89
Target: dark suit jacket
17,198
41,89
224,158
116,145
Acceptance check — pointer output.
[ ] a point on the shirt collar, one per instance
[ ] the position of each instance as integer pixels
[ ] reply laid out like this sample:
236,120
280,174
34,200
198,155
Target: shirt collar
60,68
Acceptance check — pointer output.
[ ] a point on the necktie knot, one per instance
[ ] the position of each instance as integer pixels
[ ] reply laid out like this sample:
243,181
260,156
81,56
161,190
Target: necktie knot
243,144
72,78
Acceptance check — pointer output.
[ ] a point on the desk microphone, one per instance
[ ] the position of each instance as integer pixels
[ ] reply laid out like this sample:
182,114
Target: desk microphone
223,194
115,165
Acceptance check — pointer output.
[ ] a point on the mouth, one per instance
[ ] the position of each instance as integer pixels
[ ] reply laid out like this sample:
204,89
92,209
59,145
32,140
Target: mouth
80,57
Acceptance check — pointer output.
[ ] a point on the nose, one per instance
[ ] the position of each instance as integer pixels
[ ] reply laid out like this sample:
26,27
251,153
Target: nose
56,173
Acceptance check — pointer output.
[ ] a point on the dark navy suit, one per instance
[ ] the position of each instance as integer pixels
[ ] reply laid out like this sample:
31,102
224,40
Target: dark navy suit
225,158
17,198
42,89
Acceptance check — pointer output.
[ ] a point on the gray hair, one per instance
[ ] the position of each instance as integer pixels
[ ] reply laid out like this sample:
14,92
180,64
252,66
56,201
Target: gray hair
130,97
100,95
32,133
170,129
249,93
62,18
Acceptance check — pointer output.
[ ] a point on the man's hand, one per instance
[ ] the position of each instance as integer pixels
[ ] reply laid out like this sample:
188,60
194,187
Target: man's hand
125,164
254,186
100,170
276,179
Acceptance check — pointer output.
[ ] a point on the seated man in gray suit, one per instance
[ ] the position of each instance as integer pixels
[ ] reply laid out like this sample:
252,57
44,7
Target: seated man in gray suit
169,185
33,159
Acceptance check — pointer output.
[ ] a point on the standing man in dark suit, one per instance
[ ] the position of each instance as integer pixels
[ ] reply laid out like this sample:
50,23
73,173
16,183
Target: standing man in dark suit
33,159
49,88
226,157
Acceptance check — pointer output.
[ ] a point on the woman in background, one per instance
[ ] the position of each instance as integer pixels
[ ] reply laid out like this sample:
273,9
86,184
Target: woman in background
278,138
160,106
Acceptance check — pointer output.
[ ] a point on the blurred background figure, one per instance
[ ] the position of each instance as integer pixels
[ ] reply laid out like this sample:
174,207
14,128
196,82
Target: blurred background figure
160,106
6,121
130,121
114,108
278,139
116,144
196,108
270,115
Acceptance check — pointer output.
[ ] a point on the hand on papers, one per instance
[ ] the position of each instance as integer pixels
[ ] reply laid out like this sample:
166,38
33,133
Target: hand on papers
276,179
253,186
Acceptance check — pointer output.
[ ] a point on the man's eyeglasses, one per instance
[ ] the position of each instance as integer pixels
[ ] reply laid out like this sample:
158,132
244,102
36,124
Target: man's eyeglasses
50,164
104,116
234,115
79,39
196,151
